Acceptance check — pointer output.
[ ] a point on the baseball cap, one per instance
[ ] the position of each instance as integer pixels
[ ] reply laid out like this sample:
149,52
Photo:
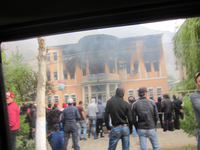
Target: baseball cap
10,94
70,101
196,76
142,90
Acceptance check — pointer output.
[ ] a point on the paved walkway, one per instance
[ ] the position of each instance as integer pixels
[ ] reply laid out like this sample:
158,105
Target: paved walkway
167,139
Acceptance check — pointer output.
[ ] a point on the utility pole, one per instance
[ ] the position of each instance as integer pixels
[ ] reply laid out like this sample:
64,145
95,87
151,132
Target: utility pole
41,85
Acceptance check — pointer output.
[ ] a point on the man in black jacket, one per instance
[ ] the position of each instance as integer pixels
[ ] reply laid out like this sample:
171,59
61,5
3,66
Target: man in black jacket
178,111
167,108
145,116
119,111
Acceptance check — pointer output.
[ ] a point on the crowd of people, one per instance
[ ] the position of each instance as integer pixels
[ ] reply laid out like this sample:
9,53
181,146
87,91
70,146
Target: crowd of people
121,118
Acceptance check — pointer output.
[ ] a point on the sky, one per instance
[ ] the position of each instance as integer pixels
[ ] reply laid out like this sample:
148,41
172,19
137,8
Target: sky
169,25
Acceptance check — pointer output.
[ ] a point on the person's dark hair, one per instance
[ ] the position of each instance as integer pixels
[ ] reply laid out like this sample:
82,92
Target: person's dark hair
49,105
140,94
74,103
56,127
159,99
31,105
80,103
174,96
166,96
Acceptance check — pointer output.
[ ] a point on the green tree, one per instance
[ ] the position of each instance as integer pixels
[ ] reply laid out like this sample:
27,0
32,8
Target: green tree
187,53
21,79
186,50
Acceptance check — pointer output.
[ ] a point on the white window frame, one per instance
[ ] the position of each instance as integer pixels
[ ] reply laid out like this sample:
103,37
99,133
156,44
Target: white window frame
137,90
130,90
151,94
65,100
75,96
55,100
157,89
49,100
56,56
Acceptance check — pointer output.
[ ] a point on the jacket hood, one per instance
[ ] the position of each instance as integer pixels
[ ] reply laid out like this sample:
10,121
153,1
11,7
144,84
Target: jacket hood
120,92
92,101
99,102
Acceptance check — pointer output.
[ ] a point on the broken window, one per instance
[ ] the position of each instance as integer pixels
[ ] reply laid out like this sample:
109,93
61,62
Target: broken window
97,66
111,66
128,68
84,66
136,66
156,66
48,75
148,66
55,75
55,56
48,56
65,74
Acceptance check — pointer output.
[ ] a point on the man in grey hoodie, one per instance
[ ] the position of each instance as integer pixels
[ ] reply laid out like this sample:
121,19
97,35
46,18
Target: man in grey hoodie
100,115
92,113
195,99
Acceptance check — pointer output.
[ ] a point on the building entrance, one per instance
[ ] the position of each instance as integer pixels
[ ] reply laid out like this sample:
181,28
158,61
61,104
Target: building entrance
101,96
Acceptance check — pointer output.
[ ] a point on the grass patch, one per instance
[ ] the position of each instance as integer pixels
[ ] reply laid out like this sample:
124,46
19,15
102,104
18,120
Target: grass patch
189,147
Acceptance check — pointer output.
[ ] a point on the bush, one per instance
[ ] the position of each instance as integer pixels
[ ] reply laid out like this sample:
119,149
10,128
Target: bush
189,124
23,133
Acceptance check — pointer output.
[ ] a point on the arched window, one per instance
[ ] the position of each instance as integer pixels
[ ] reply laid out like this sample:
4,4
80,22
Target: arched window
49,98
151,92
66,97
130,92
73,96
56,99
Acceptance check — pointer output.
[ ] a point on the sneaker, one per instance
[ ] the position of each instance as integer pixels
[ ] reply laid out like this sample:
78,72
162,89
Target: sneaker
96,138
84,139
80,138
102,136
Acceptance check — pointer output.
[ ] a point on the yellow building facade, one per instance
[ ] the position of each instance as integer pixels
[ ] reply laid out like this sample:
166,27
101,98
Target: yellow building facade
98,64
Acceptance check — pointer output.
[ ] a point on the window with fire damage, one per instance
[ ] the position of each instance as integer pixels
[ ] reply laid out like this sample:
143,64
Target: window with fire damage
65,74
156,66
84,67
111,66
128,68
96,65
136,66
48,75
148,66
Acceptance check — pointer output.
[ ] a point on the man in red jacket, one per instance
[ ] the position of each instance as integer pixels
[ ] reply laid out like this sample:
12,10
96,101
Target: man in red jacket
14,121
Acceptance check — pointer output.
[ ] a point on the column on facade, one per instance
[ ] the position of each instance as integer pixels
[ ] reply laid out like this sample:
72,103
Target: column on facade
107,91
89,94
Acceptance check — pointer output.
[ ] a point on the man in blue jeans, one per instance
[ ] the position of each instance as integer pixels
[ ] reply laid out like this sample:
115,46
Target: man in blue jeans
82,121
145,116
92,113
120,114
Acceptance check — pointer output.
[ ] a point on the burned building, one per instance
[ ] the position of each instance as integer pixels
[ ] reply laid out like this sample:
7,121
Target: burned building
96,65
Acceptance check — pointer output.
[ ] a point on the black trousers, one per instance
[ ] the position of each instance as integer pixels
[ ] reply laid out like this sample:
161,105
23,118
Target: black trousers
13,135
176,119
161,121
99,126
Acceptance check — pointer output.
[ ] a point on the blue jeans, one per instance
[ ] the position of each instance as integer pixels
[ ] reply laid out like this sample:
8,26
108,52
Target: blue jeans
151,134
198,144
92,123
134,131
81,124
118,133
